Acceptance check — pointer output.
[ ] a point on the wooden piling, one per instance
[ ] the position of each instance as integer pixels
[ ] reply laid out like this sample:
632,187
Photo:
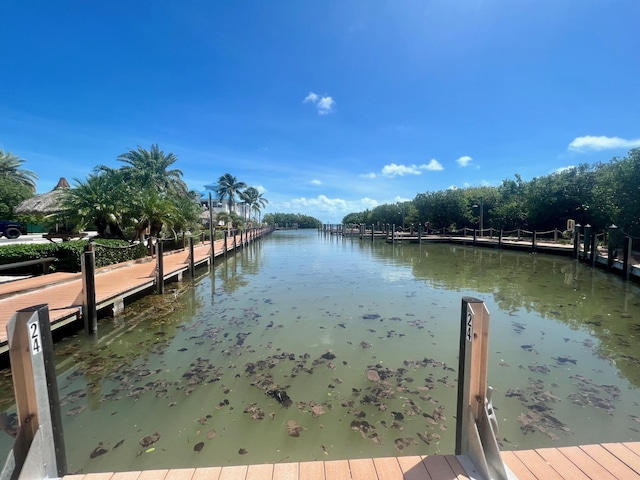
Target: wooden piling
159,266
89,307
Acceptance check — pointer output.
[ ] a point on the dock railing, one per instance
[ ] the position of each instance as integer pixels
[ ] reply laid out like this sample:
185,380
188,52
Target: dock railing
39,451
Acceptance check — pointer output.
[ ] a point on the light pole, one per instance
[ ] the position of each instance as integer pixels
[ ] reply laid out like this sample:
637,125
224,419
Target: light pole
475,205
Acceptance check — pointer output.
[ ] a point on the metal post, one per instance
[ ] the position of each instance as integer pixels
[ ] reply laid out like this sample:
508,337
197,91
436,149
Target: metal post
39,450
594,248
226,236
586,242
576,241
192,262
159,266
89,307
476,424
500,239
420,233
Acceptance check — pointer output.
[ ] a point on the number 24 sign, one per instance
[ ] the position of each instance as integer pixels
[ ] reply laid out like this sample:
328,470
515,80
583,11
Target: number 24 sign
35,342
469,326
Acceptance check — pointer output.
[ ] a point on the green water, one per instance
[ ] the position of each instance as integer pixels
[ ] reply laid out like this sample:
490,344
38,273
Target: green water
317,317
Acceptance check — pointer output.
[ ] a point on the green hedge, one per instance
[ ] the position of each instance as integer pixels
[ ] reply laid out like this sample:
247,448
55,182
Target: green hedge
69,254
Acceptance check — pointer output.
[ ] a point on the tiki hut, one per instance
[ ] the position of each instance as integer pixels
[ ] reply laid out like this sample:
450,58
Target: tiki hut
46,204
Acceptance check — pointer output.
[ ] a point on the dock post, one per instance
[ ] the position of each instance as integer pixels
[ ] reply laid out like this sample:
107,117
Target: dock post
594,247
500,239
476,423
626,263
192,262
419,233
226,236
576,240
586,242
614,241
159,266
38,451
89,308
475,239
533,241
373,229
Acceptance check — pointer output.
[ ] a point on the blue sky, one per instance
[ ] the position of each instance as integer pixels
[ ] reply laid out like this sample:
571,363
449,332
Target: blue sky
328,106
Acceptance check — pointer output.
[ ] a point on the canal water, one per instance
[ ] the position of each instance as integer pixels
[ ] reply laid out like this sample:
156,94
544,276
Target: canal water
304,347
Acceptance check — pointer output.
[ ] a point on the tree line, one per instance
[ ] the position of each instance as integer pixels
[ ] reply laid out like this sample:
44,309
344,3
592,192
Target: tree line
601,194
146,194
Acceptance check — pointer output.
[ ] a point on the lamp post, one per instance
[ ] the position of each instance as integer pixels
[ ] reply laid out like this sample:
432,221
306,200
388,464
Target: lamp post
402,213
481,206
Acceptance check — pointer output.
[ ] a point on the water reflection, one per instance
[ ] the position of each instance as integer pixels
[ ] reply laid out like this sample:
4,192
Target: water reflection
305,347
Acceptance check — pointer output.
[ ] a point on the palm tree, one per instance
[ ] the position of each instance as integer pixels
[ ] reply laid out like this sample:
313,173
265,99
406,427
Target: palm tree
149,168
230,219
10,170
102,200
254,199
229,186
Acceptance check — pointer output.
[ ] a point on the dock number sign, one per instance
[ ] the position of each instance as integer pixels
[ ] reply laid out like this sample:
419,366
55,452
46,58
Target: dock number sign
469,325
34,338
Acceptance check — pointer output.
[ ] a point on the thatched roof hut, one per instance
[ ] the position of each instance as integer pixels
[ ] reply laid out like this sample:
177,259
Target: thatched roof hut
44,204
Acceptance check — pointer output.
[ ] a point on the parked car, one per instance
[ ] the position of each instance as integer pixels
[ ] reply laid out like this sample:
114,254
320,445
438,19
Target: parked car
10,229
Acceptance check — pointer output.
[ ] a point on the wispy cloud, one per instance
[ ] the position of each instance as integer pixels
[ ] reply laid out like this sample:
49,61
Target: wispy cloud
464,161
588,142
368,175
324,104
315,182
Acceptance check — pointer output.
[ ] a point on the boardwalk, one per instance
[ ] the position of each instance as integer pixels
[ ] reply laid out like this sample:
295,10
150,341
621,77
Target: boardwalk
63,291
611,461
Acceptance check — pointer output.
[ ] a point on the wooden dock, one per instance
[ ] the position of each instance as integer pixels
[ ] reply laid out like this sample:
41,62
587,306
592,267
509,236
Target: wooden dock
114,284
610,461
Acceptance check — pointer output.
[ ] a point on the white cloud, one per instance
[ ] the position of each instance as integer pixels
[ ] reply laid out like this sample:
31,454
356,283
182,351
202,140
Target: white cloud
324,104
368,175
433,165
452,187
315,182
260,189
312,97
323,207
393,170
588,142
563,169
464,161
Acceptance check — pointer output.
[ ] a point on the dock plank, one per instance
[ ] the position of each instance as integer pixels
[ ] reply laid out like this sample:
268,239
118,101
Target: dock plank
238,472
337,470
625,455
286,471
457,469
517,467
208,473
125,476
562,464
312,471
259,472
180,474
388,468
362,469
611,463
537,464
153,475
438,467
413,468
587,464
